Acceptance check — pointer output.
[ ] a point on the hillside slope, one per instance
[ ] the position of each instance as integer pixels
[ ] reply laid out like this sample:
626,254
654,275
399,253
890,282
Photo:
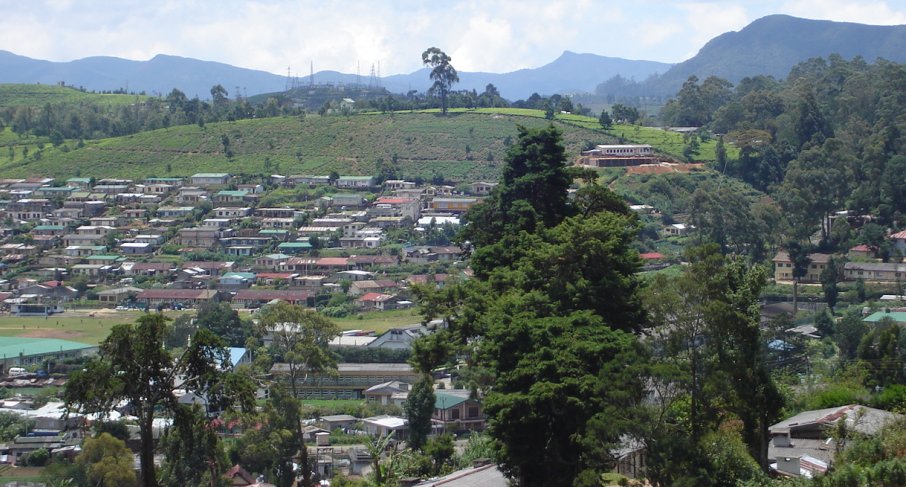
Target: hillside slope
460,147
16,95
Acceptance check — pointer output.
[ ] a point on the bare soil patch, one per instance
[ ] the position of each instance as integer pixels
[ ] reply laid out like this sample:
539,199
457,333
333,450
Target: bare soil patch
663,168
50,333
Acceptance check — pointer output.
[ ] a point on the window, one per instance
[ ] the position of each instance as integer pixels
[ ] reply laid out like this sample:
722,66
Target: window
454,414
473,412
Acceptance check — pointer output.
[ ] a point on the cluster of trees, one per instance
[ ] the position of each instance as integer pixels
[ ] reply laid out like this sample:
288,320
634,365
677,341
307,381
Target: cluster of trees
827,138
550,329
87,120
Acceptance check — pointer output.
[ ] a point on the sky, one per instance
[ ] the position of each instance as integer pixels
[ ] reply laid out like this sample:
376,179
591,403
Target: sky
354,35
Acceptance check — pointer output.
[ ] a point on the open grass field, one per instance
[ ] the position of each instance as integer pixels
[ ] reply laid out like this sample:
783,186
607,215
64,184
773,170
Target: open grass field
21,474
36,95
379,321
78,326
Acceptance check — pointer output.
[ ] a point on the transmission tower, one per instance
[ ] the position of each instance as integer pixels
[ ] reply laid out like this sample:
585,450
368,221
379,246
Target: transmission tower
372,79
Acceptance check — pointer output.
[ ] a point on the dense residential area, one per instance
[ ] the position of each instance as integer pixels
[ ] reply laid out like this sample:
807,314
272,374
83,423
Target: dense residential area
181,242
694,279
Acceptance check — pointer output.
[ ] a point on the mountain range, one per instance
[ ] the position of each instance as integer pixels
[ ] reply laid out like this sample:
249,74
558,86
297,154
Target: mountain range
770,45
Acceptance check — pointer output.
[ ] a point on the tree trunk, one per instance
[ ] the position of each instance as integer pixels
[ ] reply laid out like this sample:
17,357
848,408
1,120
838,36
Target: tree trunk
795,297
303,458
146,455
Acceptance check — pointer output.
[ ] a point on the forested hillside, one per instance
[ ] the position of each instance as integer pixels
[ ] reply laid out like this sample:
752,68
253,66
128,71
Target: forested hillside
829,138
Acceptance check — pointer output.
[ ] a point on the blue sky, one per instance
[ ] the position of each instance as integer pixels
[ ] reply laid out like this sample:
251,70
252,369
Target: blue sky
480,35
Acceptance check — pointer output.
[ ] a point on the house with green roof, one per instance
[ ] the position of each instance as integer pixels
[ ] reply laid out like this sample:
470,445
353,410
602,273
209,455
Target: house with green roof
229,197
83,183
876,317
294,247
52,230
456,410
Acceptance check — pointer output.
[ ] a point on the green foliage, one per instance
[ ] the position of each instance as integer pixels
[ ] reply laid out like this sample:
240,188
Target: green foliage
728,459
710,341
442,74
419,408
891,398
12,425
300,338
564,388
105,461
836,395
875,460
273,447
848,334
553,293
605,120
532,194
224,321
116,429
434,146
37,458
133,365
440,450
193,451
882,351
478,446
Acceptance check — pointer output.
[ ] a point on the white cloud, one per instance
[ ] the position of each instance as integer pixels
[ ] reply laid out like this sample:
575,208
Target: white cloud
863,12
500,35
706,20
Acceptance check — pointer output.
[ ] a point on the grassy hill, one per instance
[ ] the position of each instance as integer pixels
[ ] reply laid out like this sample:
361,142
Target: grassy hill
16,95
462,146
465,145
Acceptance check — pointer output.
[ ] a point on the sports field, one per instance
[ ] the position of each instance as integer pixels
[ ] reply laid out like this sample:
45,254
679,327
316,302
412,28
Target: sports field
92,326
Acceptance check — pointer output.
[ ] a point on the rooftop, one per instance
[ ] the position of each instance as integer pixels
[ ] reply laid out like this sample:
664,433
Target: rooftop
898,316
14,346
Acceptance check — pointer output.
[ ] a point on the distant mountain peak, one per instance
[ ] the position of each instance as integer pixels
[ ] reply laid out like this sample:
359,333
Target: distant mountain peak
773,44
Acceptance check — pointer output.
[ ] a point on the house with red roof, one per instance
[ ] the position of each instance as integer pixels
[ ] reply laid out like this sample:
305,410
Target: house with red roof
256,298
861,252
378,302
177,297
899,241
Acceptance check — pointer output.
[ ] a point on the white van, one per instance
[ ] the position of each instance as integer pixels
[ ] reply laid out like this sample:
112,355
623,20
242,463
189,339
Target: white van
15,371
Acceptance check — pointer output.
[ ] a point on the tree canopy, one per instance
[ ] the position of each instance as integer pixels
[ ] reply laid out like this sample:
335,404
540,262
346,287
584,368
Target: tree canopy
134,366
547,317
443,74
